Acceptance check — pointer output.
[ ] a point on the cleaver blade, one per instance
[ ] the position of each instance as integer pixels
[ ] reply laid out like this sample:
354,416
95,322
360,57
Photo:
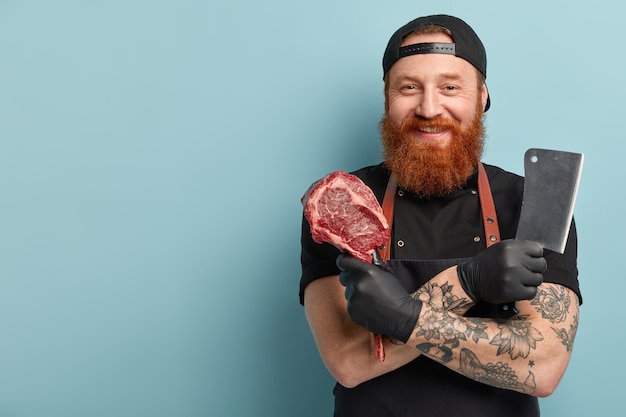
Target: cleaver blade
550,188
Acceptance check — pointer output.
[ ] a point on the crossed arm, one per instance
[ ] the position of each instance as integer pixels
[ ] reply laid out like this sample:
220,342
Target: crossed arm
528,353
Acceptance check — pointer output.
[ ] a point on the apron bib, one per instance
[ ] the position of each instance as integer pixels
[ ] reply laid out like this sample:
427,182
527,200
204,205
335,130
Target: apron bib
414,273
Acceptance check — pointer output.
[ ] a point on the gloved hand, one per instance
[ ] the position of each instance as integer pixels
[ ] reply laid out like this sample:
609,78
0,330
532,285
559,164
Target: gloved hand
377,300
508,271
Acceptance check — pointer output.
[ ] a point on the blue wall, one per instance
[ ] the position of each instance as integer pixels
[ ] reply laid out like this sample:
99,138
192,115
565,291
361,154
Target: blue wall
152,157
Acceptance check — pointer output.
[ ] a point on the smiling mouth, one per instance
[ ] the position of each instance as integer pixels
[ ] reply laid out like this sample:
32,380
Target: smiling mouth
431,130
436,130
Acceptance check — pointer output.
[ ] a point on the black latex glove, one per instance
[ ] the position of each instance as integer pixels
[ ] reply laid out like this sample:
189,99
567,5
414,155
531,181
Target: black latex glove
508,271
377,300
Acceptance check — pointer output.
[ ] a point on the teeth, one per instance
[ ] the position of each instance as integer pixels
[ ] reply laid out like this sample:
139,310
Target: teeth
430,130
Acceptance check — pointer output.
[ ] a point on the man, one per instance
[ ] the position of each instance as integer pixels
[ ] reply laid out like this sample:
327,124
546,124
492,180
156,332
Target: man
449,349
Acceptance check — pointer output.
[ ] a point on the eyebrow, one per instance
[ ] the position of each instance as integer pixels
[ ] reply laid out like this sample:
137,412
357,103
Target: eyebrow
452,76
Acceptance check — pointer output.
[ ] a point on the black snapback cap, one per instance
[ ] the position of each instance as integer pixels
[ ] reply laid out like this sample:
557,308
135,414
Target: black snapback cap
467,44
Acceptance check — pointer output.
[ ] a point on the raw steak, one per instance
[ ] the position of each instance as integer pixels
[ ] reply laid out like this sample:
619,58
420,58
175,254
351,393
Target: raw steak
343,211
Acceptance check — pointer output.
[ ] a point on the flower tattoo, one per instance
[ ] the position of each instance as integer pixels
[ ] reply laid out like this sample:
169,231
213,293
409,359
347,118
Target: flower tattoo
552,302
516,338
439,325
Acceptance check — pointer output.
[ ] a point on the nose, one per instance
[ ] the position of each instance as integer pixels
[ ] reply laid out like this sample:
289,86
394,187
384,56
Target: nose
429,105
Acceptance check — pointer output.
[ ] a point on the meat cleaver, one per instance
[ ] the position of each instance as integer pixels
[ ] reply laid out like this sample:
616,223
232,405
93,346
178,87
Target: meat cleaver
550,188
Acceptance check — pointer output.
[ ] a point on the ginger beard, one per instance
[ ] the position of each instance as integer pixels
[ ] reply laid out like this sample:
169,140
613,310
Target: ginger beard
425,168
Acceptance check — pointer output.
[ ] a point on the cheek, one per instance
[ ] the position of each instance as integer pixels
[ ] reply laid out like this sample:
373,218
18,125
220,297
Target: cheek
399,110
464,114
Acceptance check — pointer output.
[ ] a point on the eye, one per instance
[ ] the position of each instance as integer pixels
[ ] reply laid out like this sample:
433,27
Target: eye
450,89
408,88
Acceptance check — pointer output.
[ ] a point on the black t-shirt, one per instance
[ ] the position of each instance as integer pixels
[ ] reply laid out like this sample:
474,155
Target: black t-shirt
427,229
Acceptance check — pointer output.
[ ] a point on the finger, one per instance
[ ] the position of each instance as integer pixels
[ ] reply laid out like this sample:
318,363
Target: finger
536,264
544,265
529,293
532,280
339,262
346,261
532,248
344,279
348,292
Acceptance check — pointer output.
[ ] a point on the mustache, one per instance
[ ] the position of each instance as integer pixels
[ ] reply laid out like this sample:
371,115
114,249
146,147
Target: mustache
439,123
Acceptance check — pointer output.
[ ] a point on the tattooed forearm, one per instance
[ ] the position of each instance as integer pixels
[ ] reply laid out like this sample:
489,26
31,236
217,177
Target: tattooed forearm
441,352
517,337
441,328
455,340
498,374
441,297
553,303
517,354
567,336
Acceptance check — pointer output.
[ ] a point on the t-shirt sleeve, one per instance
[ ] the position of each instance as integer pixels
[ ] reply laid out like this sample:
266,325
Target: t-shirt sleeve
562,268
318,260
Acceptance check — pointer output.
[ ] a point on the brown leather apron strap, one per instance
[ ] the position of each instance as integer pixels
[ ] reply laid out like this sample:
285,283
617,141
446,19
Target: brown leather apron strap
487,207
388,204
490,219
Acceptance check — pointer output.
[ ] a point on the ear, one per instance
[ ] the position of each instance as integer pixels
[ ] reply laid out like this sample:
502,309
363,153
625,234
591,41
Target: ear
484,94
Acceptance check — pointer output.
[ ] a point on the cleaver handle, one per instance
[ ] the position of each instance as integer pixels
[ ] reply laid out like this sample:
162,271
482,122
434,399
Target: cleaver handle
507,310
